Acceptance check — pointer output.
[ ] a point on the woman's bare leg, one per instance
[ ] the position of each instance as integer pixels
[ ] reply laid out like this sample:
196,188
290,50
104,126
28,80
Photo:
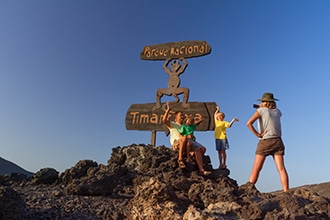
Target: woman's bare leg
279,161
257,166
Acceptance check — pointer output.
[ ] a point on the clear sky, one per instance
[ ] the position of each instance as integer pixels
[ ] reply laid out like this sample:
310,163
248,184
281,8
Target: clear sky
69,71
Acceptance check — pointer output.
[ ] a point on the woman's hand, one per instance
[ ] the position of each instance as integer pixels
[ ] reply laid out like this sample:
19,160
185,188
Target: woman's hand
261,134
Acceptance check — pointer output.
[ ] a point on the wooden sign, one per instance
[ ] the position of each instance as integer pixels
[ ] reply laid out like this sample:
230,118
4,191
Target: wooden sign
142,117
184,49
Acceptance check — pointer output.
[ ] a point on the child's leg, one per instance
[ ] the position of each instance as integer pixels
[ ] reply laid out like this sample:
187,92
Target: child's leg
203,150
188,147
182,148
188,150
220,158
224,159
218,148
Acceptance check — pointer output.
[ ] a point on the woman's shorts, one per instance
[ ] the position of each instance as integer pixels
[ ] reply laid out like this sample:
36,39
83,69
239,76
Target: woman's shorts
221,144
194,145
271,146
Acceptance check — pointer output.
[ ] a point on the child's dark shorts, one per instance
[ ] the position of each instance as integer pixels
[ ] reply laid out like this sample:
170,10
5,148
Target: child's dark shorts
271,146
221,144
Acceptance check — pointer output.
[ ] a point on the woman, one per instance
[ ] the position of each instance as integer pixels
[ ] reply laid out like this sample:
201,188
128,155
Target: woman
270,141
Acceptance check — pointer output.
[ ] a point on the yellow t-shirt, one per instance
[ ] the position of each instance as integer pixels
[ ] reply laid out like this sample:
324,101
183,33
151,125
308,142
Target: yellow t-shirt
220,129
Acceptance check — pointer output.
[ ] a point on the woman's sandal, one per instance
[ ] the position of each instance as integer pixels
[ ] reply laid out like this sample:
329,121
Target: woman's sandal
205,173
181,164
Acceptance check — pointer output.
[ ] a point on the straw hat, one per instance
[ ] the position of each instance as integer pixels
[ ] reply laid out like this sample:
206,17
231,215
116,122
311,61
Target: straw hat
267,97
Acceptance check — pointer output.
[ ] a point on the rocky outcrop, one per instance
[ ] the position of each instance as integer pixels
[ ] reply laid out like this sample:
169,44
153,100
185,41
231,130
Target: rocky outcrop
11,203
145,182
45,176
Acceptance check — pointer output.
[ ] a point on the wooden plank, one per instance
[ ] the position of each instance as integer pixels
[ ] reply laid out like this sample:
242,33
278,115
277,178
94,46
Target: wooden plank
153,138
211,107
142,117
185,49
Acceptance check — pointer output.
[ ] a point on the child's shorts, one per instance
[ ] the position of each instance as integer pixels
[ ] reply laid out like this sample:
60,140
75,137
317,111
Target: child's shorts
221,144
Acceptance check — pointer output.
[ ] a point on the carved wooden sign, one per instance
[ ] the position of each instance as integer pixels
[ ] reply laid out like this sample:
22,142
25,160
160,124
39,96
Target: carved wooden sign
141,116
148,117
172,50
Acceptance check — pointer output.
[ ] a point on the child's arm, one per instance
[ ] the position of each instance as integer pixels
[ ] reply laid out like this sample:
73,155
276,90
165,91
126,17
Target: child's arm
232,122
215,113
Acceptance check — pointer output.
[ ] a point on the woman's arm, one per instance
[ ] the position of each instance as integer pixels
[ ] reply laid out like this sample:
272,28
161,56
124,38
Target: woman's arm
250,122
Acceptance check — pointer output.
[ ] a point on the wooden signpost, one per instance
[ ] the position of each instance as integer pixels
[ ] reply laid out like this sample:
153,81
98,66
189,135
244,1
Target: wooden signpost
148,117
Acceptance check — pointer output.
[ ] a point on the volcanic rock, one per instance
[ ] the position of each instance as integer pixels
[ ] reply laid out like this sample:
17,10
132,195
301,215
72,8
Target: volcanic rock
145,182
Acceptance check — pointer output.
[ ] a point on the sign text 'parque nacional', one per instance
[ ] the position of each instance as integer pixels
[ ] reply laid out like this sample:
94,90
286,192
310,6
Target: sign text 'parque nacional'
186,49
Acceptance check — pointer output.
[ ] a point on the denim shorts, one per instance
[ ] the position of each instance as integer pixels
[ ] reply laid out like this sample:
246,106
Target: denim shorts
221,144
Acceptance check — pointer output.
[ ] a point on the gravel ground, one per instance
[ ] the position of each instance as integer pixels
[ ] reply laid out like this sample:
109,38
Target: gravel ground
50,202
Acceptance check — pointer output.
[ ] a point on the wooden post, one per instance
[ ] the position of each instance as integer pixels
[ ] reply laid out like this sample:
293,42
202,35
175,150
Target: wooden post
153,138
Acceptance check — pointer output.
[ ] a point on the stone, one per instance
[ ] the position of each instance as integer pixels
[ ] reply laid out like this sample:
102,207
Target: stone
45,176
145,182
12,204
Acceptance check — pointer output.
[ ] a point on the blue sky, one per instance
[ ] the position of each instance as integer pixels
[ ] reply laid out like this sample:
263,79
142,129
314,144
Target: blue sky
69,71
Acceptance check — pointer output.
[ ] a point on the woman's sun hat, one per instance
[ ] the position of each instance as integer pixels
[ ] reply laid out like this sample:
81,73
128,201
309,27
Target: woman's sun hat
267,97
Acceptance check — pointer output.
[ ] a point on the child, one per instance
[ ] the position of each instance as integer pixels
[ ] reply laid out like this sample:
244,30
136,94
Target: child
220,136
187,130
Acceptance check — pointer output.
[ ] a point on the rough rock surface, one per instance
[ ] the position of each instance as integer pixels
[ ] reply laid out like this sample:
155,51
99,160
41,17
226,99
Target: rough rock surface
145,182
11,203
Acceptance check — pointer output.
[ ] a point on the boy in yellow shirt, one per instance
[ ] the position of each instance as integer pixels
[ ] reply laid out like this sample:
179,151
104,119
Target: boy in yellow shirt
220,136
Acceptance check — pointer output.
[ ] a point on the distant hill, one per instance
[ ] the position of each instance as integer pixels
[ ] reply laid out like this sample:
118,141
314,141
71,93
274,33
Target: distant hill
7,167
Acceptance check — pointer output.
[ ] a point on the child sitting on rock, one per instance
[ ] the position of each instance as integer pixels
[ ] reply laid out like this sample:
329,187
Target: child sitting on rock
187,130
